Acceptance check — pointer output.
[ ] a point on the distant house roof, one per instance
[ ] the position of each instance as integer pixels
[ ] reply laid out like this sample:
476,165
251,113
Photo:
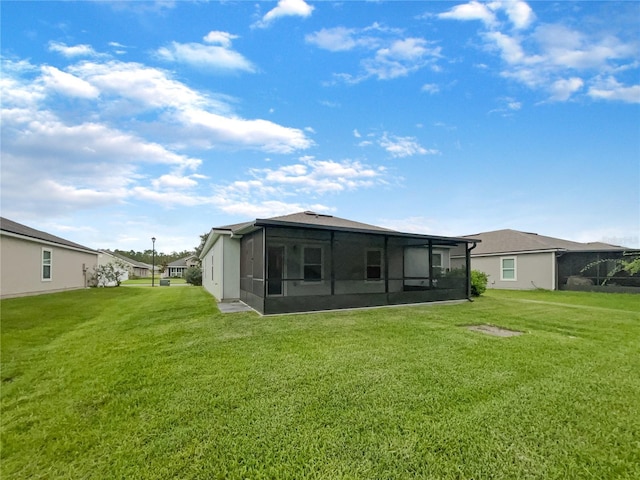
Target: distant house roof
181,262
17,229
128,260
513,241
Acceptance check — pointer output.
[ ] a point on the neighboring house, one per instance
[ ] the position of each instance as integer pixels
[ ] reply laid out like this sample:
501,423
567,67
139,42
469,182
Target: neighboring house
308,261
179,267
33,262
521,260
136,268
122,264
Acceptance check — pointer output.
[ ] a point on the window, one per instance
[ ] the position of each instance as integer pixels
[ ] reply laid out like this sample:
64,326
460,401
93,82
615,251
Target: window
508,269
312,264
46,264
436,258
373,270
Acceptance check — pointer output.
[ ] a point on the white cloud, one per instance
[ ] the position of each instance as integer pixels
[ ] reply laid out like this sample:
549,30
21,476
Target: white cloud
388,54
340,39
238,132
72,51
56,162
175,181
553,58
285,8
300,182
610,89
67,84
400,147
221,38
562,89
470,11
520,13
199,119
430,88
217,57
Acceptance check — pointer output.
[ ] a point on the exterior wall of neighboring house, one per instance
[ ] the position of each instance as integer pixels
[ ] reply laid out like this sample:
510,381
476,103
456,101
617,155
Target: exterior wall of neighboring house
24,261
517,271
105,258
180,270
221,269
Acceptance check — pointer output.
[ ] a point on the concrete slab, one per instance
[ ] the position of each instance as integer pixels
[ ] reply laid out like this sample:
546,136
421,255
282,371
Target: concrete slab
234,307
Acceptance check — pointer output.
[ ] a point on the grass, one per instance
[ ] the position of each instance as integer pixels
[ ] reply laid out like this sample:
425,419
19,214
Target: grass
156,383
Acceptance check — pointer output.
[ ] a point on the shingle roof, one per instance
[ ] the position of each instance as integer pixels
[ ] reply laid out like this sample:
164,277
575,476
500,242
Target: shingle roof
16,228
503,241
308,218
319,219
131,261
181,262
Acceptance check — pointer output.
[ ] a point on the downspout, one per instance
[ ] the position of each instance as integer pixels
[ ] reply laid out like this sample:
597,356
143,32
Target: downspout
468,262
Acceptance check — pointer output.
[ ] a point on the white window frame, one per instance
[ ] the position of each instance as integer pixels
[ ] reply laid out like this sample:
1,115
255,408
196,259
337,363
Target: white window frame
49,264
366,265
515,269
303,264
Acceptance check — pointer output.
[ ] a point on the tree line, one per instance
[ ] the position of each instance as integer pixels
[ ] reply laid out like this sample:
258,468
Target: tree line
147,256
162,258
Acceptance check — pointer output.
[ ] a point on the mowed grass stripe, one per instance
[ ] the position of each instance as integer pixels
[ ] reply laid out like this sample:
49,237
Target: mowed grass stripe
156,383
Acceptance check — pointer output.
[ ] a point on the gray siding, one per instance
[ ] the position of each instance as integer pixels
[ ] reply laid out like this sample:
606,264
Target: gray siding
533,270
21,267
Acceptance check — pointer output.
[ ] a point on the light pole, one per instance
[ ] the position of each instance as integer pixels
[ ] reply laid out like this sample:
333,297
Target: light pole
153,264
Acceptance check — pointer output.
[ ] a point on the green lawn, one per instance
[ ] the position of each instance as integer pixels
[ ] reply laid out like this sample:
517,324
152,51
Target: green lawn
156,383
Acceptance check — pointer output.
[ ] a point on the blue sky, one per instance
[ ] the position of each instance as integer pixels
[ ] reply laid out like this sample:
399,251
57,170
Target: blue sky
127,120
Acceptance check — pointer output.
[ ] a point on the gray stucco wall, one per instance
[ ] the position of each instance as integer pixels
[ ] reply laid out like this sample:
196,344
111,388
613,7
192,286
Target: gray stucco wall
21,267
533,270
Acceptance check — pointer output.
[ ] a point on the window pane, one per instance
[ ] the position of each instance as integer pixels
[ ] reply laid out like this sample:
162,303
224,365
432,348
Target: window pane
46,256
312,273
374,257
508,263
508,274
46,271
313,255
374,273
437,259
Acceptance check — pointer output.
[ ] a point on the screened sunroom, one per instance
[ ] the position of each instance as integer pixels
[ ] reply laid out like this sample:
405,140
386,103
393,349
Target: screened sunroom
309,262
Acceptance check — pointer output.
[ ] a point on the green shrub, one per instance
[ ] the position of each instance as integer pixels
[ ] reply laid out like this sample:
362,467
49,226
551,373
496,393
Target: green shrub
193,275
478,282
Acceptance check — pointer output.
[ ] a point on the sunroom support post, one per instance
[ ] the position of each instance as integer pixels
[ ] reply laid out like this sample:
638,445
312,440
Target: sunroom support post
430,264
386,264
333,274
264,264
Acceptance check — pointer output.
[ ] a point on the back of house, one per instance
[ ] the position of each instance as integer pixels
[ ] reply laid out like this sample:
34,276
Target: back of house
308,262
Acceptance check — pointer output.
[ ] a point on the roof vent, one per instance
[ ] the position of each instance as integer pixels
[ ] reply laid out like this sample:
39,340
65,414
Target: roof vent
309,212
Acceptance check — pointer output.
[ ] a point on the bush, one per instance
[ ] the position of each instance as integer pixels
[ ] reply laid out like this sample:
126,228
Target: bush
478,282
193,275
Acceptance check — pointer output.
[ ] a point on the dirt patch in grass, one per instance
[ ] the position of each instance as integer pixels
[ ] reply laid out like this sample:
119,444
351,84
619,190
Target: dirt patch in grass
493,330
